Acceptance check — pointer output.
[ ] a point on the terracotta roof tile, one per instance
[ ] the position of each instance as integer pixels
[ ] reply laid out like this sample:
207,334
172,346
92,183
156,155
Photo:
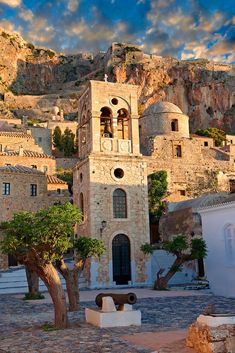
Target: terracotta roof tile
20,169
15,134
54,180
26,153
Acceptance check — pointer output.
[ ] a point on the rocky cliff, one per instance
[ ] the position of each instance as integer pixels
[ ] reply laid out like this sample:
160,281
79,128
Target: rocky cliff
204,90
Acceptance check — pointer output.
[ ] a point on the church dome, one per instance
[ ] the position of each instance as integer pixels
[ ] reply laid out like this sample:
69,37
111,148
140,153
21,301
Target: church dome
162,107
164,118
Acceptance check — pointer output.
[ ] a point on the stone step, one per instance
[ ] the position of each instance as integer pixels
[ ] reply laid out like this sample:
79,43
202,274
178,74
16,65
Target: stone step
14,281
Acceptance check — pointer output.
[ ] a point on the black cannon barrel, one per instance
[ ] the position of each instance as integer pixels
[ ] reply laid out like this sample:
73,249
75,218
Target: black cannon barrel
119,299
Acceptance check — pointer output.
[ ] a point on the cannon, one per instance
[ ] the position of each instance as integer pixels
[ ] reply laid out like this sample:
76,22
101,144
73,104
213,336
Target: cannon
118,299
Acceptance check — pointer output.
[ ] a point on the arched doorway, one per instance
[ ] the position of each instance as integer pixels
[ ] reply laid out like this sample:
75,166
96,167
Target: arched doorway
121,259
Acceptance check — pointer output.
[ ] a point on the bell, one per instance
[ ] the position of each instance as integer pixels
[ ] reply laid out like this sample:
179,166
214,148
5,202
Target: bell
107,129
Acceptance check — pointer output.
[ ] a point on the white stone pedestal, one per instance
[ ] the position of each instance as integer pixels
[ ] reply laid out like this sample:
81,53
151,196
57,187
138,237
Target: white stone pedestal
113,318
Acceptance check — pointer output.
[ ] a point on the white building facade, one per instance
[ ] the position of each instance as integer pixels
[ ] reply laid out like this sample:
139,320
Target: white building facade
218,229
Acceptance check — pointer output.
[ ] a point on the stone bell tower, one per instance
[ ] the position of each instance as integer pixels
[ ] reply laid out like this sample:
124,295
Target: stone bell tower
110,183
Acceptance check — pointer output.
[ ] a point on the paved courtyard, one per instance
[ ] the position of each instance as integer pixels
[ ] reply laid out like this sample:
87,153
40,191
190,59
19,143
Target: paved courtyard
21,324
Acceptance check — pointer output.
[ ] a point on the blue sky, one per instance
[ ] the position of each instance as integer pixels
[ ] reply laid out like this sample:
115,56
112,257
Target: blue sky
185,29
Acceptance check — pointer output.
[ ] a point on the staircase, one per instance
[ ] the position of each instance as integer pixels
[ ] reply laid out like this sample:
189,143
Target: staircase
14,281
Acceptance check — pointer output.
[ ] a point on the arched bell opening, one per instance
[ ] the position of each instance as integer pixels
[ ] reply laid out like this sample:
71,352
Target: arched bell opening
123,124
106,128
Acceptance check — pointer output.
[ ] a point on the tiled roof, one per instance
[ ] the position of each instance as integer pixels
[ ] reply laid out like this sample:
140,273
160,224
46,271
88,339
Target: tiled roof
203,201
20,169
54,180
15,134
26,153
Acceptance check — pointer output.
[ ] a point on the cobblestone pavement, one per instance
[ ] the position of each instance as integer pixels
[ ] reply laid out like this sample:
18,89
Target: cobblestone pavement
21,325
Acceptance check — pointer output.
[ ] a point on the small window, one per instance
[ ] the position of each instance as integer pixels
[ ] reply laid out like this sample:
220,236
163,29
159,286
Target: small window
39,139
45,168
182,192
6,188
119,173
206,143
0,148
81,204
34,166
174,125
178,151
119,204
114,101
59,191
33,189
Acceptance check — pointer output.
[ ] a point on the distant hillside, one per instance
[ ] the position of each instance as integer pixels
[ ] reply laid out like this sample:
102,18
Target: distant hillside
204,90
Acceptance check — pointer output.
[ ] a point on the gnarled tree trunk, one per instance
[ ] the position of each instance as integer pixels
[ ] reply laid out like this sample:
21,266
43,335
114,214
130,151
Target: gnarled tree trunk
50,277
71,279
161,282
33,281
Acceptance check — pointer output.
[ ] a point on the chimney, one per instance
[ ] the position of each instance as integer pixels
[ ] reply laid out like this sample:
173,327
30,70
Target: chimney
21,151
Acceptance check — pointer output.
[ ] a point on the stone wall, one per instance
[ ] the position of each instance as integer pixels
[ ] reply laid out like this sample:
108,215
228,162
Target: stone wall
212,338
97,185
20,199
66,163
43,137
184,172
43,163
14,140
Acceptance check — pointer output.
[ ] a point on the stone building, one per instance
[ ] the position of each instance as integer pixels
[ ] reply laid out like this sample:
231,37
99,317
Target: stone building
27,189
31,159
110,183
165,139
43,138
13,140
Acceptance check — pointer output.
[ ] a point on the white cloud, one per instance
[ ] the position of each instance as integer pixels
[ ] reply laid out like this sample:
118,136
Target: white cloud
6,25
40,31
26,15
11,3
73,5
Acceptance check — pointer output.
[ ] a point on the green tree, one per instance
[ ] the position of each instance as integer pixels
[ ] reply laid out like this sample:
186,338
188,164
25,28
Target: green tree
67,176
183,250
57,138
85,248
37,240
217,134
68,142
157,190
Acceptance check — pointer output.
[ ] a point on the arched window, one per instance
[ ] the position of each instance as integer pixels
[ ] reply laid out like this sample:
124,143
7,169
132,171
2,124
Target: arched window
119,204
81,204
106,122
229,233
174,125
122,123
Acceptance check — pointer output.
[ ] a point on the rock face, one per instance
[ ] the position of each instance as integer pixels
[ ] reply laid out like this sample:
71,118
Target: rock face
203,90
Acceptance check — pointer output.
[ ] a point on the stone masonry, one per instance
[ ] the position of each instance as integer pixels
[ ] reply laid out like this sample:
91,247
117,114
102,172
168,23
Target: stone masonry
19,196
164,136
102,154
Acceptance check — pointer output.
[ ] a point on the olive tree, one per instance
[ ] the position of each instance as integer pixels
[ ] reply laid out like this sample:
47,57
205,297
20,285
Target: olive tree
183,250
85,248
37,240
